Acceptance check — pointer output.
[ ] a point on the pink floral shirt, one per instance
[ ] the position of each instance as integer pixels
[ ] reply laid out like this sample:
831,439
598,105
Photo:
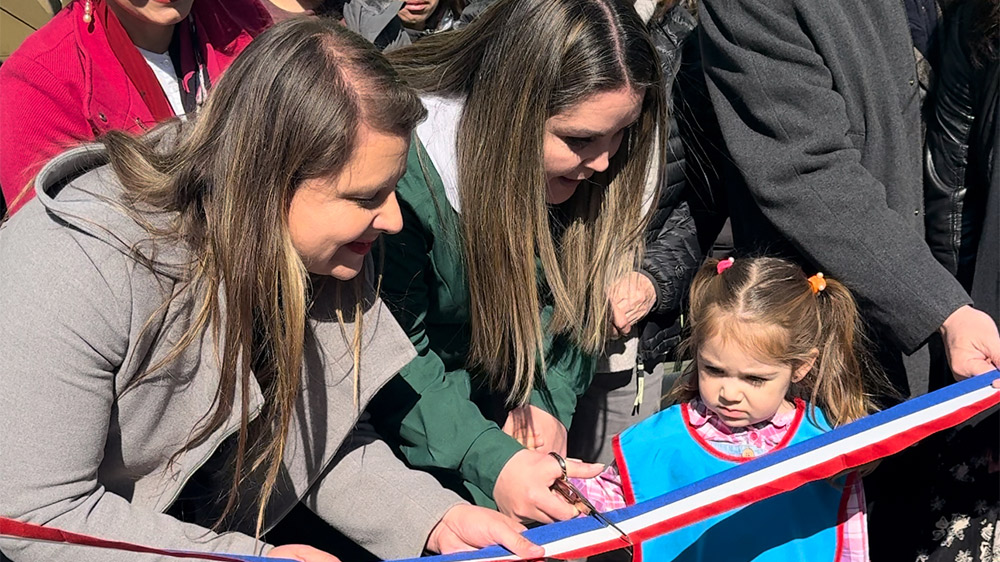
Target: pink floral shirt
606,493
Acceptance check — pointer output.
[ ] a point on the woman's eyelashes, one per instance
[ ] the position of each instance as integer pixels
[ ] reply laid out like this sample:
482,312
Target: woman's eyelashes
578,143
371,201
366,202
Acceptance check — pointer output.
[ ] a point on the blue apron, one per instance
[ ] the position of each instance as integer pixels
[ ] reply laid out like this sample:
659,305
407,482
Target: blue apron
662,454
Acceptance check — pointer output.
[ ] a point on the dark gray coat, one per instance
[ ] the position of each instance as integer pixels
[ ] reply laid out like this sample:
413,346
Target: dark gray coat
819,107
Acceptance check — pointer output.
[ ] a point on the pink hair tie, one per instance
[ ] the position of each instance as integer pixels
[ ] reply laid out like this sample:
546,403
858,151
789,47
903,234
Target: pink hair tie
724,265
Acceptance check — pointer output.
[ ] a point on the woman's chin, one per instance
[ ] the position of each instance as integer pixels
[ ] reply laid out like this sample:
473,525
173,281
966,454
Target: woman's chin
343,270
560,190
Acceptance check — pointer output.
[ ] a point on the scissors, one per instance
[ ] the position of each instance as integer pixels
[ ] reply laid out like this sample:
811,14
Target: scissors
567,490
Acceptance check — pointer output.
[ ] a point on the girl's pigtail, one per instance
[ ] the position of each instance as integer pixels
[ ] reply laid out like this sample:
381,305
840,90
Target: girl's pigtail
845,369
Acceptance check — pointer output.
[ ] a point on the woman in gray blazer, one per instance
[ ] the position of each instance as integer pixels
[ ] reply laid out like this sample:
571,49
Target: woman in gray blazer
190,334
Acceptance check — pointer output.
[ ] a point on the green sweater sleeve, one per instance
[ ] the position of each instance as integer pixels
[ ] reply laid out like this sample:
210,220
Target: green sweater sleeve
429,407
568,374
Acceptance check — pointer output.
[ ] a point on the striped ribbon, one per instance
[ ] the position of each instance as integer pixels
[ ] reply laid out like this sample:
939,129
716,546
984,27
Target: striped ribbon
846,447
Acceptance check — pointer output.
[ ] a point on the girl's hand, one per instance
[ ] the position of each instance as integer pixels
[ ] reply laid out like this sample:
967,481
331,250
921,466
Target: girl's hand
523,489
631,299
467,527
536,429
302,553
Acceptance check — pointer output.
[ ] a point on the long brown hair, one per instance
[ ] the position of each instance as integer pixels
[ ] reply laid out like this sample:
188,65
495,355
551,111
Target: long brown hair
769,305
287,110
520,63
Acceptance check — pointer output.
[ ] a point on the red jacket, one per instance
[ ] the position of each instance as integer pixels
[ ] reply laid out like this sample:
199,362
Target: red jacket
63,85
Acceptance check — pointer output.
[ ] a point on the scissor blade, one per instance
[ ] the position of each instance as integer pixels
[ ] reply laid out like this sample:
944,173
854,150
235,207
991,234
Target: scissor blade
596,514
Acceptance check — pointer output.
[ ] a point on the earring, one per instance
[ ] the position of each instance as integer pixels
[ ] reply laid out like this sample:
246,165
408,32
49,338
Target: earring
87,12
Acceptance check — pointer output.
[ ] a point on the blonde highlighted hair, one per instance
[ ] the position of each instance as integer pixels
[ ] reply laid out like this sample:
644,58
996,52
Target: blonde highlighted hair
288,109
770,308
520,63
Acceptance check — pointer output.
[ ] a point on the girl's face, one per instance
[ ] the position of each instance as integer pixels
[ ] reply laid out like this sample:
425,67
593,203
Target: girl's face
334,221
739,387
581,140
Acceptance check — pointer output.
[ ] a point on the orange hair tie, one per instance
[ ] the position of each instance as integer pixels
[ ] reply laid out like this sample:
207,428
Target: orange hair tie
817,283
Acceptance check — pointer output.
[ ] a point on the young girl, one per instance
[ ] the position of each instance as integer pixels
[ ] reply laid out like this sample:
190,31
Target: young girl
778,358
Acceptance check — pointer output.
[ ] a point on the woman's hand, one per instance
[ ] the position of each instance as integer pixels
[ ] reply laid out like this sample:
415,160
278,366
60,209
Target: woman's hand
523,489
536,429
467,527
302,553
631,299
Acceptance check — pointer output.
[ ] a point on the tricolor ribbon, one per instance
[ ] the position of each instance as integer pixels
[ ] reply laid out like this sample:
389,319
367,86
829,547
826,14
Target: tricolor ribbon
846,447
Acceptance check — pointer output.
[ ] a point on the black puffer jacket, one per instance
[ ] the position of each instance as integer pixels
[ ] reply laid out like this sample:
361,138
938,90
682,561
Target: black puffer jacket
672,248
962,177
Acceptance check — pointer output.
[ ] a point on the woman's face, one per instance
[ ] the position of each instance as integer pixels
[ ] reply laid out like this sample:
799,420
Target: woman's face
581,140
334,221
154,12
415,12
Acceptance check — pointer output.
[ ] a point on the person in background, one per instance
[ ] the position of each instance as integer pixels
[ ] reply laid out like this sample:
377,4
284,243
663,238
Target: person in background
830,173
522,203
949,500
423,17
961,166
103,65
779,358
375,20
819,106
161,388
923,16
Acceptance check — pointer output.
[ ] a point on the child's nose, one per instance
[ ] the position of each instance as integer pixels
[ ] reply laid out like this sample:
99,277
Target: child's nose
728,394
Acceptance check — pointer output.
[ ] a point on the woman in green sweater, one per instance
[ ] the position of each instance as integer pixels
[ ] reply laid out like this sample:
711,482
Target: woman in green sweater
521,202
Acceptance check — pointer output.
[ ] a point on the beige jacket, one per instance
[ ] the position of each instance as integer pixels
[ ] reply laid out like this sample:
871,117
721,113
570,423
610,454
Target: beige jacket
79,454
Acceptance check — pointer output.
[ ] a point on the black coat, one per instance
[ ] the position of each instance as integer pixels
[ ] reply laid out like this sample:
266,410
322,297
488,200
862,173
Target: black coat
689,185
962,176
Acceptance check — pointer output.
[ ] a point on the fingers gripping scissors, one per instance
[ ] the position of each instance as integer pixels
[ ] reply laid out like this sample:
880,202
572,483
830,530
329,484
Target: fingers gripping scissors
567,490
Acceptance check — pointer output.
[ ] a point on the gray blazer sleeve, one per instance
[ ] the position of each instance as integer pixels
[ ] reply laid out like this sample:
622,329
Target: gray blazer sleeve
65,300
786,128
368,494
